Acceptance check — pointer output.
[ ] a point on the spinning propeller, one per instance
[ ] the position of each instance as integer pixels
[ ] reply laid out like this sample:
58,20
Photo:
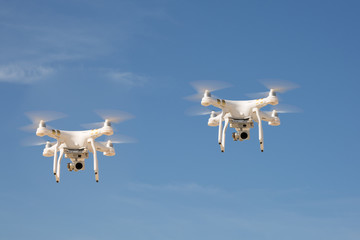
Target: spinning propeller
112,116
284,108
279,86
196,111
38,116
202,86
37,142
119,139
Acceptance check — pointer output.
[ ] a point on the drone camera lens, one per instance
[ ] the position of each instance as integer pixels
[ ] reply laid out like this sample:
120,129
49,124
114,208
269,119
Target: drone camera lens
78,166
243,135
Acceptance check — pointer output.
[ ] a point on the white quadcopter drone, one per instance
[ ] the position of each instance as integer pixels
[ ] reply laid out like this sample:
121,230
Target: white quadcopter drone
76,145
241,115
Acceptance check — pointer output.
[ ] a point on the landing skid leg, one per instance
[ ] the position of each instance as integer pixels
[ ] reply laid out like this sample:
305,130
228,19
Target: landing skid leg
58,165
222,145
220,130
261,136
96,163
55,159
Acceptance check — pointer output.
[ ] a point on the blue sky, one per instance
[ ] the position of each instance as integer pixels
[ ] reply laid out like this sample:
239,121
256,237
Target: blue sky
174,183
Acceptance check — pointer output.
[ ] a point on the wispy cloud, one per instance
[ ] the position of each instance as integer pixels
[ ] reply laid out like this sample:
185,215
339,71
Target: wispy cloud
69,40
128,78
18,73
179,188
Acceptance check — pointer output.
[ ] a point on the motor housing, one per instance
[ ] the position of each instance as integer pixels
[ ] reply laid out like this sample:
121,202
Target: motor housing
48,152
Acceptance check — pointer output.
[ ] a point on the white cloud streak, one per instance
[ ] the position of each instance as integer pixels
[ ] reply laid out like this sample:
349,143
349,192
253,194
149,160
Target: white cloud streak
128,78
31,41
26,74
177,188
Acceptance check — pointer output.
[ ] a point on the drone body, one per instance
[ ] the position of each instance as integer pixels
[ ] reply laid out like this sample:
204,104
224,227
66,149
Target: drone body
240,115
76,145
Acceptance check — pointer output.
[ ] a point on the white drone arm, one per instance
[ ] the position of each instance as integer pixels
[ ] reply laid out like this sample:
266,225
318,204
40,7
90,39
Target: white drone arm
107,148
214,119
208,100
265,116
49,149
107,129
42,130
272,98
272,118
100,147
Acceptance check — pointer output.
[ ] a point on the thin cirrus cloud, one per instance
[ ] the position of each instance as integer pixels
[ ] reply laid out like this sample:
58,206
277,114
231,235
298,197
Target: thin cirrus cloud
176,188
128,78
69,42
24,74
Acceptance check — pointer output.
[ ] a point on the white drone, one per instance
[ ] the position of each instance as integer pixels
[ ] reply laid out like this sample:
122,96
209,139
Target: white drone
241,115
76,145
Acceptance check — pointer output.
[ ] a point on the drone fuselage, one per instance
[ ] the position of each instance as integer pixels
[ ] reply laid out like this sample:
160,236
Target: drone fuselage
240,109
74,139
240,115
75,145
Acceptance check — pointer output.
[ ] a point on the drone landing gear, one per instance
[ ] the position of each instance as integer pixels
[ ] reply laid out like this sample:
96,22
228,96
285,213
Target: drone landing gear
57,161
222,145
57,165
55,157
96,163
261,135
222,131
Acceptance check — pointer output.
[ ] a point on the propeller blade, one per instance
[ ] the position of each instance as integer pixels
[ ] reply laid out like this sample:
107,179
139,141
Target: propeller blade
29,128
197,111
280,86
202,86
35,142
120,139
37,116
285,108
92,125
114,116
257,95
46,116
